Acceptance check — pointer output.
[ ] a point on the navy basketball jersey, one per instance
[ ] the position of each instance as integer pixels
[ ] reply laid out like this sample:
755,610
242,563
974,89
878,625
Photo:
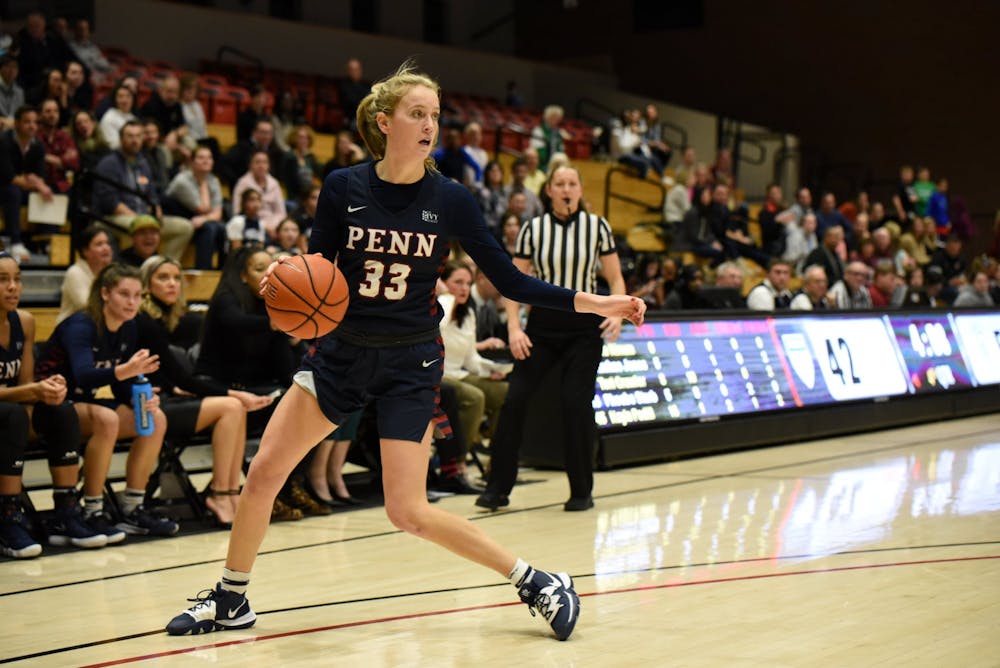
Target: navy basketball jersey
10,357
391,241
87,357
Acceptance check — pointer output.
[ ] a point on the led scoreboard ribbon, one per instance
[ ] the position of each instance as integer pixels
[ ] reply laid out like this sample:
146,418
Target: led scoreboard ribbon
706,369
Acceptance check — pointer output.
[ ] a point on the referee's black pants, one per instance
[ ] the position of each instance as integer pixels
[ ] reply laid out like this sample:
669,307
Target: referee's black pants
576,358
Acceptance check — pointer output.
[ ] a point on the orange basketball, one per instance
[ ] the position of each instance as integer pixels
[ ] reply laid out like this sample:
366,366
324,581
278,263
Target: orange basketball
306,296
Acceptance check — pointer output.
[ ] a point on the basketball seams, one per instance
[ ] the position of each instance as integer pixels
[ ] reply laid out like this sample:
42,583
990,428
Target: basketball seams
309,312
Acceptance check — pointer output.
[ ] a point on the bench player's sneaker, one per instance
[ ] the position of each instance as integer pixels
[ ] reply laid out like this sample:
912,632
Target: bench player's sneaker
553,597
214,610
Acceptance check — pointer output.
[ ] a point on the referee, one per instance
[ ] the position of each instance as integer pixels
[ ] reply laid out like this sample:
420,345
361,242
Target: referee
566,246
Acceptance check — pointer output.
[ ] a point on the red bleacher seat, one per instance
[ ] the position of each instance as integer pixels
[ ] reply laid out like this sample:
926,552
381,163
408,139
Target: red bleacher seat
227,103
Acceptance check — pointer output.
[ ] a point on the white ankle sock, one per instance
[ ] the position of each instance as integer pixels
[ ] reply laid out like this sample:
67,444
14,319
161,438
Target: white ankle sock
133,499
92,505
235,581
520,571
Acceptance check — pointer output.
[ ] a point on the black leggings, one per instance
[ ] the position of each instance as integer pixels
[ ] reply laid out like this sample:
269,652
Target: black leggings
58,426
577,358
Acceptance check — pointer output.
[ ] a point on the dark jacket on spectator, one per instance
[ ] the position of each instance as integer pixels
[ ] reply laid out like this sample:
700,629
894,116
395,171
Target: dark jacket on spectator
13,162
137,176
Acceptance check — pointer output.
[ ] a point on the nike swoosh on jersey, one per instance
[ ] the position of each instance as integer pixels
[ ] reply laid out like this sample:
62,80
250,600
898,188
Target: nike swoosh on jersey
426,364
352,209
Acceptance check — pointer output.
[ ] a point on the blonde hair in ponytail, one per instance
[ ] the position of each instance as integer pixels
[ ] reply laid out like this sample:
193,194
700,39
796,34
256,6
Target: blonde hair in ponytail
384,97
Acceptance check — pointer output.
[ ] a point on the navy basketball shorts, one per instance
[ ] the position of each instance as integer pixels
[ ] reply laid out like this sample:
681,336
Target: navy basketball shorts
403,382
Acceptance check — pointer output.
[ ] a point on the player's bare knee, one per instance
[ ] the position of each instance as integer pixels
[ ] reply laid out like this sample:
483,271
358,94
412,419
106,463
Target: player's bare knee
405,517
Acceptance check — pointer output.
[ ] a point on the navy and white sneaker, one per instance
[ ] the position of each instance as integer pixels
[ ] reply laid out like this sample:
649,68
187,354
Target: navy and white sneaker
142,522
103,523
68,527
214,610
552,596
15,539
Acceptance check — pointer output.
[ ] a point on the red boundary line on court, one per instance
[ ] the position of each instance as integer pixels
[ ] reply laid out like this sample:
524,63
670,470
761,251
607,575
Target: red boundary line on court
434,613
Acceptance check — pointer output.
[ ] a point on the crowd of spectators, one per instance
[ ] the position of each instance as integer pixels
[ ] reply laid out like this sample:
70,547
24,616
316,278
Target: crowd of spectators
165,184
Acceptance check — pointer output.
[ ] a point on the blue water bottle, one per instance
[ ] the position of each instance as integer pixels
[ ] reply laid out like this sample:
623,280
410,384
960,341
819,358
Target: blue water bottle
142,392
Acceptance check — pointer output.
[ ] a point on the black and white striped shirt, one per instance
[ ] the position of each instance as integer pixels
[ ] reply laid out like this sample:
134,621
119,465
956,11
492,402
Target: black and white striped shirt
565,253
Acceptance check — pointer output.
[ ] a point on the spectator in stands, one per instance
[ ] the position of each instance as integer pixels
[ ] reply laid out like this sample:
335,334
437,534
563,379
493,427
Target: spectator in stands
98,347
813,294
952,264
729,275
885,247
474,146
89,139
95,251
351,90
976,293
696,233
827,215
62,159
547,137
89,53
236,162
774,219
669,268
196,194
676,203
258,178
877,217
453,162
240,348
802,206
206,403
479,382
653,135
517,204
860,233
687,290
346,152
851,292
158,157
509,229
117,116
108,101
145,232
246,228
960,218
38,50
326,479
923,187
79,92
885,285
164,107
684,174
934,285
305,215
937,208
299,166
491,314
914,295
861,204
11,93
828,254
287,239
491,196
52,87
128,167
905,199
800,240
41,406
287,115
722,170
247,119
731,229
629,148
773,293
646,282
519,172
194,117
22,171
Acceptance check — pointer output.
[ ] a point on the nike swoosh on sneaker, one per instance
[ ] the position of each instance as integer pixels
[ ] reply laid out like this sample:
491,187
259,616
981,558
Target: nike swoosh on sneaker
426,364
233,612
352,209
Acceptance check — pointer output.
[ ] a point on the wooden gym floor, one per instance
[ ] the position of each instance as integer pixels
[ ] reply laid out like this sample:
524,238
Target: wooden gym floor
880,549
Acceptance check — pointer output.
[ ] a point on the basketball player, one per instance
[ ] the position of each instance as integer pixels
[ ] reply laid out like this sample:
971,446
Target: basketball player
42,404
389,224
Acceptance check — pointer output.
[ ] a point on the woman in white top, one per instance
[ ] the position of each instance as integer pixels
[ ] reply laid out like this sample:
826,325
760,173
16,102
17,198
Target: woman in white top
258,177
115,117
477,381
95,254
